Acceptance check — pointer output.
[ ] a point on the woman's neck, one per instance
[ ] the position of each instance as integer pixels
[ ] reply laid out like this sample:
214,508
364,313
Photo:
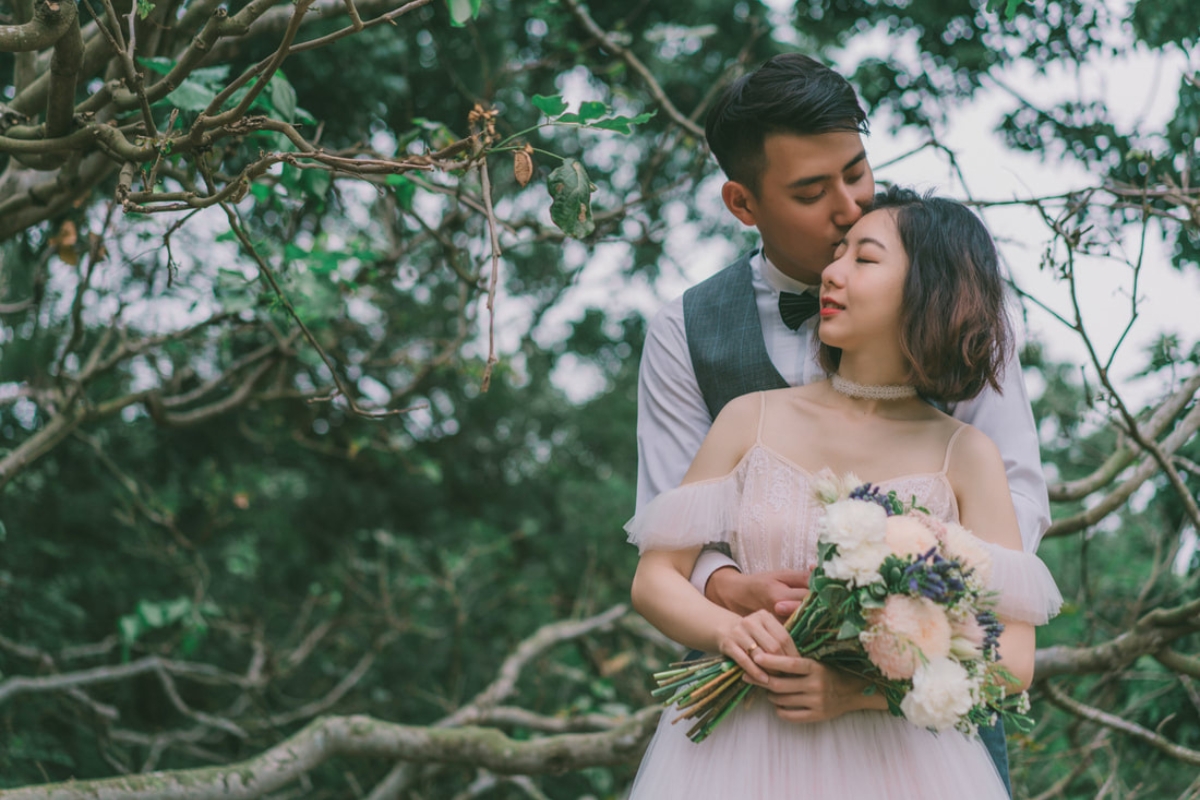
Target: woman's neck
873,369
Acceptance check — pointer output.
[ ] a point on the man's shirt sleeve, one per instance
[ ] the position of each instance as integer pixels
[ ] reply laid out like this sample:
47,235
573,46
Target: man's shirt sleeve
1007,419
672,419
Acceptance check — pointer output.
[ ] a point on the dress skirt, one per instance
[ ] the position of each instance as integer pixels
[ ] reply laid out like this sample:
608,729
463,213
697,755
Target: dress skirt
754,755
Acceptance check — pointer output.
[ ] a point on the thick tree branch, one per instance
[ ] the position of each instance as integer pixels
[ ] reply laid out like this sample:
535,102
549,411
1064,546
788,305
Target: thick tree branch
1159,742
1146,469
1149,635
51,19
364,737
1162,418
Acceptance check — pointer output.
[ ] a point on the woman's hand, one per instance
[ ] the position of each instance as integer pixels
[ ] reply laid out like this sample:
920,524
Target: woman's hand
745,639
803,690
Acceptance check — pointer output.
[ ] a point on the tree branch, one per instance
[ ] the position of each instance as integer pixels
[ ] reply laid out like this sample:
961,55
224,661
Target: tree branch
1149,635
1073,706
365,737
656,90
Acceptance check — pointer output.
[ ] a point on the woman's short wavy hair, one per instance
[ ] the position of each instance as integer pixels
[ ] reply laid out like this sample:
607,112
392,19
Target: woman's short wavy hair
954,331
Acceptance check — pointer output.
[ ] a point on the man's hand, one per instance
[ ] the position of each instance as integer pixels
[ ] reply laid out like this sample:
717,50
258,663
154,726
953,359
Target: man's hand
803,690
779,591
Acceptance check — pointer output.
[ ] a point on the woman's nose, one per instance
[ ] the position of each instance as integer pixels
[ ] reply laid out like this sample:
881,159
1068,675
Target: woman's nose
832,275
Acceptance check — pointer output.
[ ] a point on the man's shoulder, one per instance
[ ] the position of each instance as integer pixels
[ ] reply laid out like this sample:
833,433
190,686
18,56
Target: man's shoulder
725,274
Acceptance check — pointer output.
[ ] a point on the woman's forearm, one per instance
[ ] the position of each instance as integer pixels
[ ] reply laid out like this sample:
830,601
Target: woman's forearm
1018,645
662,593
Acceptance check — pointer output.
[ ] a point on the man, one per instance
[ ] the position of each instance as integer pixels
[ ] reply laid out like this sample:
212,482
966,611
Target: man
789,138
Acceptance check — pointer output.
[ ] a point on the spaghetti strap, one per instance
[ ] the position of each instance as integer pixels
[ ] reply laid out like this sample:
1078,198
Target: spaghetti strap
950,446
762,414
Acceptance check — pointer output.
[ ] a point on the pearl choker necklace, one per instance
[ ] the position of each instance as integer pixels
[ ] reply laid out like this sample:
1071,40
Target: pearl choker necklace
849,388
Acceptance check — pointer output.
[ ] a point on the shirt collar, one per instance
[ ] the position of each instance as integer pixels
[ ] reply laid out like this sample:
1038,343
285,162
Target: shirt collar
776,280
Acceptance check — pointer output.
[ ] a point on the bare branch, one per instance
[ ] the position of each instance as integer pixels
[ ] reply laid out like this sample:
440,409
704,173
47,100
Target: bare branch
365,737
1073,706
656,91
1146,469
1149,635
1162,418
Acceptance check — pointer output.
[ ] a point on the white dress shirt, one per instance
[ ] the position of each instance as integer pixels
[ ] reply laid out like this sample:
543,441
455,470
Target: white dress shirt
673,418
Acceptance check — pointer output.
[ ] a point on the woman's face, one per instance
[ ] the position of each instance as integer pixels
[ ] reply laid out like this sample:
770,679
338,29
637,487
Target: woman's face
861,291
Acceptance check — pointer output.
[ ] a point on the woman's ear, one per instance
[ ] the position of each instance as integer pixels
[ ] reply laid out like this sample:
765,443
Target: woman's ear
740,201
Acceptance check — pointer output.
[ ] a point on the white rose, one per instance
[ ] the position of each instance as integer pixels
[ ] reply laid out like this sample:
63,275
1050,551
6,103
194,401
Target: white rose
942,693
858,565
966,548
851,523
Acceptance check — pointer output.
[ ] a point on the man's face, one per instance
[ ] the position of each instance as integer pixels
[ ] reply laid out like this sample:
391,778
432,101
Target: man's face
812,189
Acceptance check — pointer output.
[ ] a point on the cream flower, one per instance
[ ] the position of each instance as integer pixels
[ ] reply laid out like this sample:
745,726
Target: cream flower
908,536
966,548
858,565
942,693
904,633
829,488
851,523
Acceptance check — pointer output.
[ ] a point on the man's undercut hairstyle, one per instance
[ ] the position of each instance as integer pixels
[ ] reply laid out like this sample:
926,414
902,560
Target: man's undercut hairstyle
791,93
954,331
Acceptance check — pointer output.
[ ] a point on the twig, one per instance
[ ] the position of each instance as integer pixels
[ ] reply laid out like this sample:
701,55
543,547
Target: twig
656,91
265,270
493,279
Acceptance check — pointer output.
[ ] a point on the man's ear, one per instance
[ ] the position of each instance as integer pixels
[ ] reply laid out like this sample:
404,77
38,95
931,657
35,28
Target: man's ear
740,201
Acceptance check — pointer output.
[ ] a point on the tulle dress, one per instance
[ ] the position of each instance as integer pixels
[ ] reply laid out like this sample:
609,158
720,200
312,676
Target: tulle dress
765,511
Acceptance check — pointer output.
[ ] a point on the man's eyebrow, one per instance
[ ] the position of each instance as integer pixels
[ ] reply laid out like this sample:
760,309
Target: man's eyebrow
801,182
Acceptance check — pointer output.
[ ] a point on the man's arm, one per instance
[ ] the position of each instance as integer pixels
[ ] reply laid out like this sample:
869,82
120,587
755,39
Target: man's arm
672,420
1007,419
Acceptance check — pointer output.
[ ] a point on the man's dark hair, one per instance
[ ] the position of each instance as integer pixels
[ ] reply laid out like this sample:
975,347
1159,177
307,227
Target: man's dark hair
791,93
954,331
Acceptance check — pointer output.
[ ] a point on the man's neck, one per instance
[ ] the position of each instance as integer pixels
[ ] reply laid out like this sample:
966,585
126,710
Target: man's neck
796,273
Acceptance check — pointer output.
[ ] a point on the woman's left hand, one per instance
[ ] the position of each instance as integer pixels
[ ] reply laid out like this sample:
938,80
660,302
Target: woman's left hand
803,690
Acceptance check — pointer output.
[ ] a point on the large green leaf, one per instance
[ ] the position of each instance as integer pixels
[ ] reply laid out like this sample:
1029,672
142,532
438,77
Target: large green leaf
572,192
550,106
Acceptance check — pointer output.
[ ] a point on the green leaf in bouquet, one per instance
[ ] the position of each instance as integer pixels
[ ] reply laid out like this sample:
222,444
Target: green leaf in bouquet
833,594
849,630
824,551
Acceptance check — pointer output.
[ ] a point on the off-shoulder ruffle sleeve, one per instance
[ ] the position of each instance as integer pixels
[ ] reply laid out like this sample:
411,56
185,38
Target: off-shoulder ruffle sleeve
691,515
1026,589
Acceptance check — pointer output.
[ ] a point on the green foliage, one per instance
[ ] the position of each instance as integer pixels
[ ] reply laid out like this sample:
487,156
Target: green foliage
460,528
572,207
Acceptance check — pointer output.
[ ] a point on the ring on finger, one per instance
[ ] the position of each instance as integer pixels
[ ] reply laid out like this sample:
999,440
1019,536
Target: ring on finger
753,646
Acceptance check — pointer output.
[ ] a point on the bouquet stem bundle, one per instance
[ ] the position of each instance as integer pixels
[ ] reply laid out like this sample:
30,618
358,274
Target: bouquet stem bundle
706,690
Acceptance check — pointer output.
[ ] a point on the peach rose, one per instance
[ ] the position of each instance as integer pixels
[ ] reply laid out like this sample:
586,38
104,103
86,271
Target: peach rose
903,634
908,536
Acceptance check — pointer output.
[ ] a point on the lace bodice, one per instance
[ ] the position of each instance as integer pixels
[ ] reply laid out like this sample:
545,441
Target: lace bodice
776,524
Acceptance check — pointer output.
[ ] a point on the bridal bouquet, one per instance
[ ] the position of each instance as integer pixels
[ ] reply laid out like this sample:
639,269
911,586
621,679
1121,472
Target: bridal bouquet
898,598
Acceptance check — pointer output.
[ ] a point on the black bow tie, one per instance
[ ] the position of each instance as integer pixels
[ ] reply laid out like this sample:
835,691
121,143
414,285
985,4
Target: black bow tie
795,308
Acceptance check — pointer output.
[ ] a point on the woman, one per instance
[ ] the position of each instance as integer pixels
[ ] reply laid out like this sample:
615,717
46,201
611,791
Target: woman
911,311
